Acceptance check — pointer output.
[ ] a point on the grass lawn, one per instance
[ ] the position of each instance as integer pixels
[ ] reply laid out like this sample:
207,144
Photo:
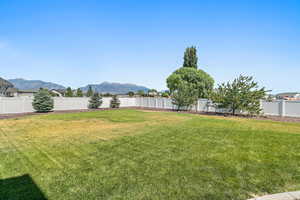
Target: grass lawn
134,154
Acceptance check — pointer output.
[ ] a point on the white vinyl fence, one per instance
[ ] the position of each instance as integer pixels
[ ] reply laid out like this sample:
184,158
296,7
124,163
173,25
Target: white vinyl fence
24,104
276,108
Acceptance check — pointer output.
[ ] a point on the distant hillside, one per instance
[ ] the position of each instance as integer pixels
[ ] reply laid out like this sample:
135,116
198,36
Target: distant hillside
23,84
115,88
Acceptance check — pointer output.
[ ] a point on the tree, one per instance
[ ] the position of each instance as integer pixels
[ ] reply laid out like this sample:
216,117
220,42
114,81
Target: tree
242,94
95,101
115,102
131,94
90,92
152,92
69,92
184,96
43,101
190,57
141,93
165,94
201,82
79,93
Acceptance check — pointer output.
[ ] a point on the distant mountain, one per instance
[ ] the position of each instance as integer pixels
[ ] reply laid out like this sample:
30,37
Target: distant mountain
115,88
23,84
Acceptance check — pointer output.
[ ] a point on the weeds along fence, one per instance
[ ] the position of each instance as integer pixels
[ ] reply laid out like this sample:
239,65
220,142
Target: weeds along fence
24,104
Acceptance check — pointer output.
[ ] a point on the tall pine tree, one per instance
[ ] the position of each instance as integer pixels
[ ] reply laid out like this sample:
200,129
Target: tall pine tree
69,92
190,57
79,93
90,92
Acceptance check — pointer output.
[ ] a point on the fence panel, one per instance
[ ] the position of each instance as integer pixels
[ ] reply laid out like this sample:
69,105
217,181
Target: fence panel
271,108
292,108
24,104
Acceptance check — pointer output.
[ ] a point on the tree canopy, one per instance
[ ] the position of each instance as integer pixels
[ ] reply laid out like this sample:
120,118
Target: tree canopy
69,92
190,57
201,82
79,93
89,92
184,96
242,94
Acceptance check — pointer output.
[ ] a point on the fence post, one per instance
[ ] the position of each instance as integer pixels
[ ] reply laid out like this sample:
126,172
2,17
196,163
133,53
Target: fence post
282,108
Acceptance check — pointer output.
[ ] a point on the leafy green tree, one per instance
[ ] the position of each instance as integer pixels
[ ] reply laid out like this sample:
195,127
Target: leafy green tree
43,101
131,94
69,92
165,94
115,102
79,93
184,96
95,101
242,94
90,92
201,82
107,94
190,57
141,93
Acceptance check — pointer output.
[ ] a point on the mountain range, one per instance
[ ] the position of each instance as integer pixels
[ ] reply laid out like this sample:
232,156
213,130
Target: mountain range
105,87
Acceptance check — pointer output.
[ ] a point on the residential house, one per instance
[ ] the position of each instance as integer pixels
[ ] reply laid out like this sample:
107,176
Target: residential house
290,96
4,86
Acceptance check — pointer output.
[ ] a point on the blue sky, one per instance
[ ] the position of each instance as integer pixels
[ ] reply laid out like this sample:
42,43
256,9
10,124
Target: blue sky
74,42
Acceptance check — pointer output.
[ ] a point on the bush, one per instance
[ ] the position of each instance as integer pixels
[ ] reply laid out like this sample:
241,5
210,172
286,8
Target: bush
115,102
95,101
43,101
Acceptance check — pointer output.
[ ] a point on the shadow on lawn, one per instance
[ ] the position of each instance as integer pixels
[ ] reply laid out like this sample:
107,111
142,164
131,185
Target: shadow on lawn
21,187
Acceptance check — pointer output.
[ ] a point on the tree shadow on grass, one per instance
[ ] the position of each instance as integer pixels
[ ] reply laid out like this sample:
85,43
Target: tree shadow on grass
20,188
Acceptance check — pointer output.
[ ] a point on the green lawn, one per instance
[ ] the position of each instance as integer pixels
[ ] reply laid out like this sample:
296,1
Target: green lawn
133,154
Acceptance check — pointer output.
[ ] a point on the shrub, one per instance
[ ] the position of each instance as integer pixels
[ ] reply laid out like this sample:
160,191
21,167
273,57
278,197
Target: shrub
95,101
43,101
115,102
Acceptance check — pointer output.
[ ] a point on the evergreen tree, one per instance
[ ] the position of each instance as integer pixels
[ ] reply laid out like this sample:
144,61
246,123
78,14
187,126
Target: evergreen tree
95,101
69,92
79,93
190,57
43,101
90,92
131,94
115,102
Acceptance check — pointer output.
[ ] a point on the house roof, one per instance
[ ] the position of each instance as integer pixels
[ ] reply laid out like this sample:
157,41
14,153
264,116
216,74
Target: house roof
27,91
288,94
5,83
12,90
